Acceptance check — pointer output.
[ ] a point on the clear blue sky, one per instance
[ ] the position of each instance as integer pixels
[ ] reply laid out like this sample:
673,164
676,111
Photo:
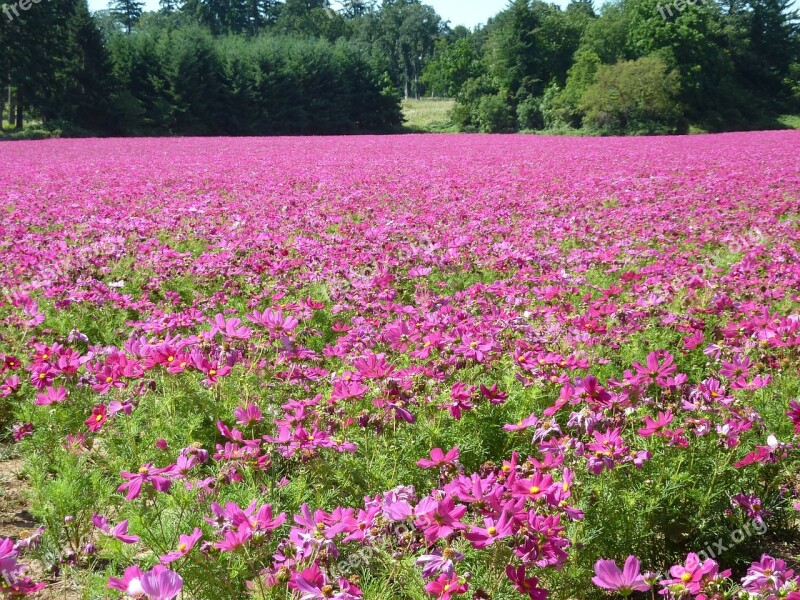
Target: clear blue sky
467,12
458,12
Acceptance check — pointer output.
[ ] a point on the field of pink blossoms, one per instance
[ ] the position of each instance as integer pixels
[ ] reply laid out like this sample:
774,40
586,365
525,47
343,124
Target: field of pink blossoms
421,367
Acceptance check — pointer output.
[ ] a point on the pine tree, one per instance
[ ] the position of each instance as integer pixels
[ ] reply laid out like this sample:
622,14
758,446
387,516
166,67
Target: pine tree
127,12
86,74
772,41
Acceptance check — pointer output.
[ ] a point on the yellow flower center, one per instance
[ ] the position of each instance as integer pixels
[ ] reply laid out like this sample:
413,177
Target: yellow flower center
182,548
534,489
109,379
143,470
42,375
98,418
171,359
212,372
492,531
686,577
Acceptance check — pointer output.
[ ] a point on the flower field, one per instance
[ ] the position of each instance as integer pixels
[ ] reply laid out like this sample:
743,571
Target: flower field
419,367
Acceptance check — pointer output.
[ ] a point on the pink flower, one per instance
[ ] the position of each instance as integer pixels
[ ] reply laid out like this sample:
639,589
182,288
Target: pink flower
51,396
481,537
146,474
439,520
767,576
794,415
445,586
129,583
120,531
438,458
654,371
739,367
526,585
526,423
98,417
493,395
624,581
185,545
249,415
652,427
687,577
161,584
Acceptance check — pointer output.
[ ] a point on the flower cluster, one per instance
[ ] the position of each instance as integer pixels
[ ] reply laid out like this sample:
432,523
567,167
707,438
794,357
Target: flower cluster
462,366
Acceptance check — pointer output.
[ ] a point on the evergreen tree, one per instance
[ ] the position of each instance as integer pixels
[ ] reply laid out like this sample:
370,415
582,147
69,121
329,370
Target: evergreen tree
86,75
773,29
127,12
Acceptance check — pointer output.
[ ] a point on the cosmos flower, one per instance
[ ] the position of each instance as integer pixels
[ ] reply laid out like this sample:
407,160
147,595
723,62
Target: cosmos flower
624,581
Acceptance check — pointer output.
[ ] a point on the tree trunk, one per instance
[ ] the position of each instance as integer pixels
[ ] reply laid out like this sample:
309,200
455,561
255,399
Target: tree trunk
20,108
11,107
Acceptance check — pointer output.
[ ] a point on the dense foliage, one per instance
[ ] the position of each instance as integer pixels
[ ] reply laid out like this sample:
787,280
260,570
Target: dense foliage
299,66
122,72
404,368
534,66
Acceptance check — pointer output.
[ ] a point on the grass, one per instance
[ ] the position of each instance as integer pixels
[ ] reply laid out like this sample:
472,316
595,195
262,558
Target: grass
428,115
31,131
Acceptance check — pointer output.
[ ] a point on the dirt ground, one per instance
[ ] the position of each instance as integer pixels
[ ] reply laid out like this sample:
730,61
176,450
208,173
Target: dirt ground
16,522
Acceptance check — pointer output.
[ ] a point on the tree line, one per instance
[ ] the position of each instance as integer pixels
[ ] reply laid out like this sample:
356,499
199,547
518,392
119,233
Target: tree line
634,66
299,66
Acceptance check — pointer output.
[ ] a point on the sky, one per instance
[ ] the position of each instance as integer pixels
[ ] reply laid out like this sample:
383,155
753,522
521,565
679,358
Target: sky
467,12
458,12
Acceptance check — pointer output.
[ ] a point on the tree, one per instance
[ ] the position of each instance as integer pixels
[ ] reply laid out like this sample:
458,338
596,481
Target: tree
452,65
773,42
85,78
633,96
127,12
353,9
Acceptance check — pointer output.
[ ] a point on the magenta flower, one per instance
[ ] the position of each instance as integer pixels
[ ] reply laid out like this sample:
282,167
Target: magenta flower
119,531
147,474
526,423
481,537
446,586
524,584
653,427
794,415
738,367
438,458
439,520
624,581
248,415
161,584
185,545
654,371
98,417
767,576
51,396
129,583
687,577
